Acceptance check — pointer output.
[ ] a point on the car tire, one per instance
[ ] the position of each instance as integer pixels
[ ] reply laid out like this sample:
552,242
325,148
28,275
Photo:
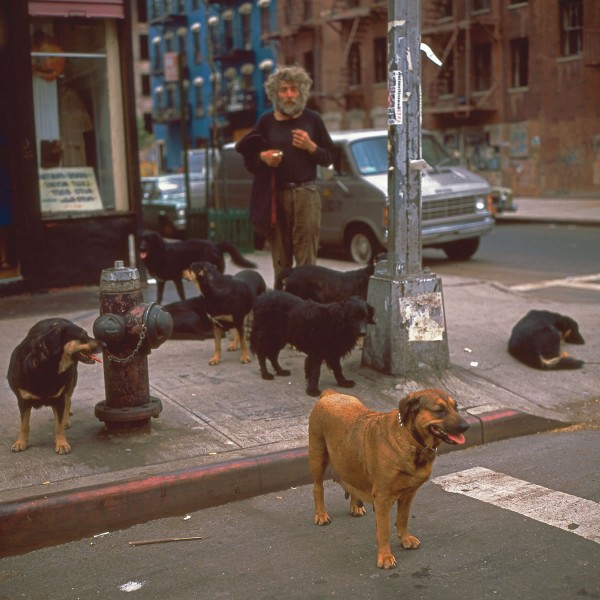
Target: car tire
361,244
461,249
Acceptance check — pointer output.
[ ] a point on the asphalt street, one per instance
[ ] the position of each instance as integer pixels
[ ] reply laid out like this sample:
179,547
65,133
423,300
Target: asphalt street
267,547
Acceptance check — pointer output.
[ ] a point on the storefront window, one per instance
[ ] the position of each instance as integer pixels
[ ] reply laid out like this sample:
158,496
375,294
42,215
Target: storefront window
78,116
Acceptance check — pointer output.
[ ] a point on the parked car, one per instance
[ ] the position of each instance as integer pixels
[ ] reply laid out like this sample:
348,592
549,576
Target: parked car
455,202
164,203
502,200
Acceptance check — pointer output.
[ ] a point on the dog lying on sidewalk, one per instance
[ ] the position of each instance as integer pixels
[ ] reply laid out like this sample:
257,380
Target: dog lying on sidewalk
536,340
380,458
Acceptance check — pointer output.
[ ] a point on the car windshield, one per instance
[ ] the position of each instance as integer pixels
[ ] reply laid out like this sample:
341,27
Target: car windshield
371,156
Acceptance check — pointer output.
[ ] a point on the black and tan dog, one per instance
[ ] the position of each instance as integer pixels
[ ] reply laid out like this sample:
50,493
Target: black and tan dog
380,458
324,332
43,372
166,260
321,284
228,300
536,340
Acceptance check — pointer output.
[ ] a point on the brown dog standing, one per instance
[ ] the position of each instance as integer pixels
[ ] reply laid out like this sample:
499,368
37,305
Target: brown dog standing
380,458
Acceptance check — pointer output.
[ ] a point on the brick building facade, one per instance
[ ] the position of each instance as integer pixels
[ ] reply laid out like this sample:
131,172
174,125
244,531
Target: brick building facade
516,97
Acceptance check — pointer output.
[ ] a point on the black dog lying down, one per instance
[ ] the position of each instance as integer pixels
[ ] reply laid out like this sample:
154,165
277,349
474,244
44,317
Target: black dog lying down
190,319
43,372
324,332
314,282
166,260
535,340
228,300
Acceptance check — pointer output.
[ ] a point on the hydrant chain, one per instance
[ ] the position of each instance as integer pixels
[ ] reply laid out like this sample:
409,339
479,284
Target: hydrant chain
135,350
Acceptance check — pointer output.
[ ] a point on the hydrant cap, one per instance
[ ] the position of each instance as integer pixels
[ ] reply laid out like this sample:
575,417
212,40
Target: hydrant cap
120,278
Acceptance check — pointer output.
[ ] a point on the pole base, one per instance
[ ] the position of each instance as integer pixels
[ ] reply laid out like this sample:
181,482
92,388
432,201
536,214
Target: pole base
410,330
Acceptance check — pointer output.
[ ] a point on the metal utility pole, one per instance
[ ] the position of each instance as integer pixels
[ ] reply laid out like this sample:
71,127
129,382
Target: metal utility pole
410,333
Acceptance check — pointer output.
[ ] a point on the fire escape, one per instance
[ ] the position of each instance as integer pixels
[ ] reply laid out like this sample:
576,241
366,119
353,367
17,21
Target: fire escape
467,41
351,20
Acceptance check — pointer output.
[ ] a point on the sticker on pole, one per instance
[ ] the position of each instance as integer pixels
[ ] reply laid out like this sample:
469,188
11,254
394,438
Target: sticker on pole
423,317
395,95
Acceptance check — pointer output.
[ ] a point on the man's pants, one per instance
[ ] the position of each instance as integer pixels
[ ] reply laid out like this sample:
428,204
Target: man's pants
296,234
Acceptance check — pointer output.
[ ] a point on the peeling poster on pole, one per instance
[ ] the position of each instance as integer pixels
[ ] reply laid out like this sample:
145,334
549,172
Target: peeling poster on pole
423,317
395,95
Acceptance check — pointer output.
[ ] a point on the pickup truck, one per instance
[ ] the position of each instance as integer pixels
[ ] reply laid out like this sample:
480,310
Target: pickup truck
456,203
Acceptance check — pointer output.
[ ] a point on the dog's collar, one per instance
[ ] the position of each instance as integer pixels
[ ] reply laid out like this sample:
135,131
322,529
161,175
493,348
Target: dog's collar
429,449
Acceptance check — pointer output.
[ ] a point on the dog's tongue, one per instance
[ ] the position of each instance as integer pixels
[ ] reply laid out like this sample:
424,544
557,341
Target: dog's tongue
143,255
457,438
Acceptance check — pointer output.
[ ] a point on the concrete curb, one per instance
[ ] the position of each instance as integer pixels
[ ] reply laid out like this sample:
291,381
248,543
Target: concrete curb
57,518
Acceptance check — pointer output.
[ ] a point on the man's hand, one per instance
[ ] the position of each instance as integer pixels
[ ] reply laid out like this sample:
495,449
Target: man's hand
272,158
301,139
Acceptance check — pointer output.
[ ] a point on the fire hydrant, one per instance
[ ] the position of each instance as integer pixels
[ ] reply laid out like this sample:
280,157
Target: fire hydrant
130,329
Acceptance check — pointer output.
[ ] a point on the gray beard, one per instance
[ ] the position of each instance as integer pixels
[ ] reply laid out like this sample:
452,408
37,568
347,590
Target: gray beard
290,111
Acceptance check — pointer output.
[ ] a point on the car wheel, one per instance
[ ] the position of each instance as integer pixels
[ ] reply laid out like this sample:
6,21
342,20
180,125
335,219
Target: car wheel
361,245
461,249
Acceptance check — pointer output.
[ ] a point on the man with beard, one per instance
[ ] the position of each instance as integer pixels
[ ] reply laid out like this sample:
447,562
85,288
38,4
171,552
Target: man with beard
283,151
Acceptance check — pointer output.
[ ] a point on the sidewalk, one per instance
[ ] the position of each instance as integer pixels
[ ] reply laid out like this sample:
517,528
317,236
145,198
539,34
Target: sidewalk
564,210
226,434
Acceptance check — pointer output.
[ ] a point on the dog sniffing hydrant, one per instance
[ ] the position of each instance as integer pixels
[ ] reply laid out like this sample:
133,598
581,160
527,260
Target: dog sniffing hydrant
130,329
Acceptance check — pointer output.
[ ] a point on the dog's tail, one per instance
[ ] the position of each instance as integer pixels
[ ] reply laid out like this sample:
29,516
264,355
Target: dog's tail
236,255
568,362
281,277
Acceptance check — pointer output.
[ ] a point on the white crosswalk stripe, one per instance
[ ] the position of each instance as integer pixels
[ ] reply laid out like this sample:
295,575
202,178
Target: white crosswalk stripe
583,282
567,512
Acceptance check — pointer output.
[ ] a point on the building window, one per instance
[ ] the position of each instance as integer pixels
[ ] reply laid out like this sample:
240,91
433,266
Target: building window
288,12
199,100
181,45
445,9
145,85
73,118
142,15
169,41
171,95
228,39
265,25
446,76
480,5
380,59
159,99
571,27
519,62
354,74
482,67
197,42
307,10
213,34
144,49
245,10
155,11
156,55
